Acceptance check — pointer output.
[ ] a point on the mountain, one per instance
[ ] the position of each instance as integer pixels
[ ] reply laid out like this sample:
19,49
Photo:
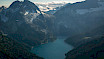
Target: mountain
1,8
89,45
79,17
24,21
90,50
12,49
79,39
83,23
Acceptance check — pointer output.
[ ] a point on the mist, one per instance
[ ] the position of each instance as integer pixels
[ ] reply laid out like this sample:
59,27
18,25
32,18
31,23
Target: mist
52,29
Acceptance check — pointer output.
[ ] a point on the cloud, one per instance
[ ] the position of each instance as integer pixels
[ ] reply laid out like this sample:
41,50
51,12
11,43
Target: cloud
50,5
46,6
53,2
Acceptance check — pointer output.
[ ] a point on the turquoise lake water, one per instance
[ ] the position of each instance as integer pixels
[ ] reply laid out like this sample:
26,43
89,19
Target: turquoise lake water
53,50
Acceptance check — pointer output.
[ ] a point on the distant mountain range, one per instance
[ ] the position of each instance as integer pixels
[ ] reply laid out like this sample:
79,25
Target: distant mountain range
79,17
50,7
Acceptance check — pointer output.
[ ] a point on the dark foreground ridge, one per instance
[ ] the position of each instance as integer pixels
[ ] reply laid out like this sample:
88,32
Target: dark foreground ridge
90,50
12,49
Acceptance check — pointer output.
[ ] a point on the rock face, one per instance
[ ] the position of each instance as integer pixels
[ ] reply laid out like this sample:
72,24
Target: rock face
12,49
24,22
79,17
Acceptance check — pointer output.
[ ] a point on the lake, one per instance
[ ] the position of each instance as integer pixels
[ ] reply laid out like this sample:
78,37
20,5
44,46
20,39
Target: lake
53,50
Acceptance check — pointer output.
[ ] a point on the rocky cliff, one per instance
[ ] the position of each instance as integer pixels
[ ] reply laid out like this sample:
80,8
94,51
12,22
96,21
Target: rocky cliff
25,22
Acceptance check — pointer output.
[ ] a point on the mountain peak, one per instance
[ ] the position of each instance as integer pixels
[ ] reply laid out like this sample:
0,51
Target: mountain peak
25,5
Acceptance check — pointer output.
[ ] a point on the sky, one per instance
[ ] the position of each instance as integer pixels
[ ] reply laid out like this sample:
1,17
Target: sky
8,2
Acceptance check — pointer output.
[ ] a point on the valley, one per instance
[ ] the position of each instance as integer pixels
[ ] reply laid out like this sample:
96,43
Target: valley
53,50
73,31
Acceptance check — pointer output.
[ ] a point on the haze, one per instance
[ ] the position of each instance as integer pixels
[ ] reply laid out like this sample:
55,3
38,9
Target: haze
7,3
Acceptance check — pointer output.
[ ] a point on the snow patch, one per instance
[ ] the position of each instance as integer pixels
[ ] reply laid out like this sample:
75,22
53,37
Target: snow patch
38,11
31,16
43,13
26,13
17,20
25,6
35,15
31,20
82,11
44,30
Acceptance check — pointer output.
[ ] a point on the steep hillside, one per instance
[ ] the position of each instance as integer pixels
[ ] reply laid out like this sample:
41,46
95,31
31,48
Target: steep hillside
90,50
85,37
79,17
83,22
24,22
12,49
89,45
